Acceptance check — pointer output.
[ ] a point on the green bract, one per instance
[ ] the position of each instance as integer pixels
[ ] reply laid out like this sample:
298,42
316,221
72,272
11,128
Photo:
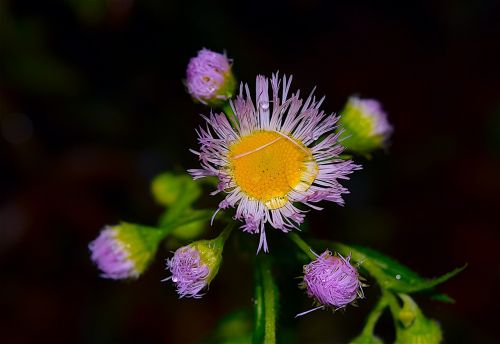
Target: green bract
141,242
210,254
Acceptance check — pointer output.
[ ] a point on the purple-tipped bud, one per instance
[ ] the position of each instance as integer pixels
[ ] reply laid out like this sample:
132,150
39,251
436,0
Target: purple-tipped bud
194,266
125,250
332,281
365,125
372,108
111,256
209,78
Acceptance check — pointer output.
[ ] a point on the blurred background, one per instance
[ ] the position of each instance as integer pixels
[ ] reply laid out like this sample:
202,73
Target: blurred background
92,107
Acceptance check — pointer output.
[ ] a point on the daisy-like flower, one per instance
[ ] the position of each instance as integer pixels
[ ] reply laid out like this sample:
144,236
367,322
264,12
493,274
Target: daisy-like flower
209,78
281,151
366,125
194,266
124,251
332,281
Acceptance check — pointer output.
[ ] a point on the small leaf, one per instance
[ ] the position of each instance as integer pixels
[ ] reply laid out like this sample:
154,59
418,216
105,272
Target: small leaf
431,283
391,274
441,297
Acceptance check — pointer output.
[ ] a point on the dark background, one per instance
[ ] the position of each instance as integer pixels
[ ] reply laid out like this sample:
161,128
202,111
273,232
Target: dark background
92,107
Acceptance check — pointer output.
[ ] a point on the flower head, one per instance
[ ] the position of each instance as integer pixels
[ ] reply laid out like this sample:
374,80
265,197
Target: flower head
122,252
365,124
194,266
209,78
332,281
281,151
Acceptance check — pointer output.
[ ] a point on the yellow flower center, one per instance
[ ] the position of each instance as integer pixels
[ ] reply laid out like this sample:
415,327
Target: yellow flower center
267,165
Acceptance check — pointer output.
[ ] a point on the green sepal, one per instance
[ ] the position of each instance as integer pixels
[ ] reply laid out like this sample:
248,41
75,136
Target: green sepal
141,243
225,91
210,255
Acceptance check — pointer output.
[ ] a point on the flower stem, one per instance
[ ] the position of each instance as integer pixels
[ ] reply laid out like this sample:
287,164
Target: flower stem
302,245
375,314
266,301
178,221
228,111
226,232
394,306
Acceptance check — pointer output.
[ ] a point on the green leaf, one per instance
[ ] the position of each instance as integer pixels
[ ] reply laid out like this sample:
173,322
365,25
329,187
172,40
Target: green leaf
431,283
436,296
392,275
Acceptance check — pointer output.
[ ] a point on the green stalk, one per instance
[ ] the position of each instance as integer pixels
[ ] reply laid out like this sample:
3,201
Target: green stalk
375,314
393,303
266,301
302,245
226,232
195,216
228,111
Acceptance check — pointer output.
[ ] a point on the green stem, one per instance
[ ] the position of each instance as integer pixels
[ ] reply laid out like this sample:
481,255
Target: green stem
393,303
226,232
302,245
394,307
345,156
266,300
228,111
375,314
194,216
